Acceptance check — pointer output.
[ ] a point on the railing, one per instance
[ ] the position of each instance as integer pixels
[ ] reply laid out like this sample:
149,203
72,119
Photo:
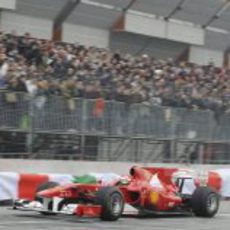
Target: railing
23,112
64,128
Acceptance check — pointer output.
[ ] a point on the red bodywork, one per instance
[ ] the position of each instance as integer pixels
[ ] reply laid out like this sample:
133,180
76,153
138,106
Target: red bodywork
148,197
137,192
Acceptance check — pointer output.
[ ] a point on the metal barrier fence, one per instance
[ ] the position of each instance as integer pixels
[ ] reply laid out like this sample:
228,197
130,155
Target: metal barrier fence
85,116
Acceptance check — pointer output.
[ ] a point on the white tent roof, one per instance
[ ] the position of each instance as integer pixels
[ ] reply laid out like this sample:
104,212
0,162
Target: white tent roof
104,13
94,16
40,8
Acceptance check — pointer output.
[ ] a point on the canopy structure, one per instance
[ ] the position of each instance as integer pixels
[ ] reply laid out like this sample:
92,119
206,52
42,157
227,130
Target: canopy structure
209,16
104,13
42,8
215,13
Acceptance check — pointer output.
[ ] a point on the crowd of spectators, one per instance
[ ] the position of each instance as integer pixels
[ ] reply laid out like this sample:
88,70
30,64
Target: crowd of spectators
45,67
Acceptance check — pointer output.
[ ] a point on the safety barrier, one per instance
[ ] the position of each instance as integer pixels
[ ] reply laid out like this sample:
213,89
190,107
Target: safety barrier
23,186
110,118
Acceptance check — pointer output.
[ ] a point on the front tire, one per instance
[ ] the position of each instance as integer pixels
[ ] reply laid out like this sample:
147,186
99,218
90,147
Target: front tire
205,202
112,201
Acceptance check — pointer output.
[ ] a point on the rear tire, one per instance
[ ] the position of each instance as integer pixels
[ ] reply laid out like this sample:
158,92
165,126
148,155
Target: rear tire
205,202
42,187
112,201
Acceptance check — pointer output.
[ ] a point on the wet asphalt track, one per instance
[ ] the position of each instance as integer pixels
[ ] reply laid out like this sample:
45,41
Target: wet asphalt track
17,220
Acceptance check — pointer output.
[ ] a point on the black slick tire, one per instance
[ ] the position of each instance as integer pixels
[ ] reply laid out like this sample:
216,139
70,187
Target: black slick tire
205,202
112,201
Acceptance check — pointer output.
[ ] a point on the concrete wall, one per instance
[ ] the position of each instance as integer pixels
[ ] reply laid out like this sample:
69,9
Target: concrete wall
203,56
38,27
216,40
8,4
79,167
142,23
137,44
85,35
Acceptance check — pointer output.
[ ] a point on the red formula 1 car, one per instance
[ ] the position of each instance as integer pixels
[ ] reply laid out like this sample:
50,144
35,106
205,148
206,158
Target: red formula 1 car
107,202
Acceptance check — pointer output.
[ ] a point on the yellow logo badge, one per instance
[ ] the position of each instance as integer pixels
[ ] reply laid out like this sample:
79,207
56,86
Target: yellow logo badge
154,197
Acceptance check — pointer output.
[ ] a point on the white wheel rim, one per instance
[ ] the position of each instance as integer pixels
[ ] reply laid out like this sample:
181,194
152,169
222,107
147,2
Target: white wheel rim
116,203
212,203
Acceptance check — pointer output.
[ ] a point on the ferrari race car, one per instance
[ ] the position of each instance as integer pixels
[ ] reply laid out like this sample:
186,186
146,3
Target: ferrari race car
108,201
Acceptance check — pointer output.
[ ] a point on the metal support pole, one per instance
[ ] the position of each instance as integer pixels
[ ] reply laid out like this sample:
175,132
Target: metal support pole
201,154
136,150
83,128
173,151
30,135
173,148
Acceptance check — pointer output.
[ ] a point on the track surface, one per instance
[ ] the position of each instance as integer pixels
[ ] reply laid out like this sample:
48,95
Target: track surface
11,220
